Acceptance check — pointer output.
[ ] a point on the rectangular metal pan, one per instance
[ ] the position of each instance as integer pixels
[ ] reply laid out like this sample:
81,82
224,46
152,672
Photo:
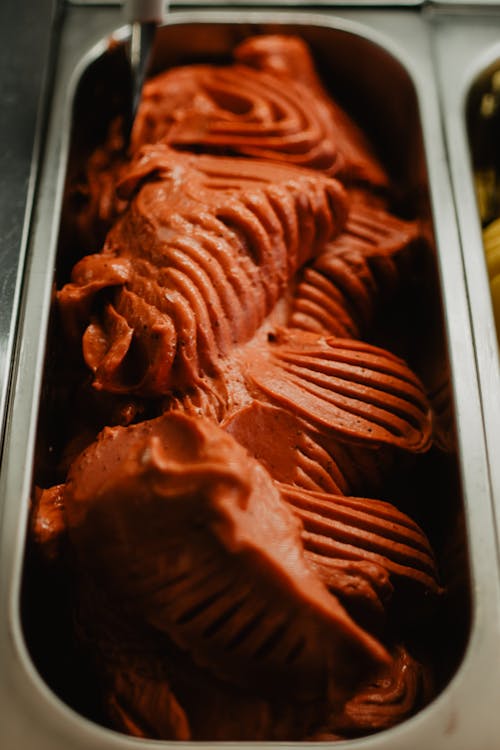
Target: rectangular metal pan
382,64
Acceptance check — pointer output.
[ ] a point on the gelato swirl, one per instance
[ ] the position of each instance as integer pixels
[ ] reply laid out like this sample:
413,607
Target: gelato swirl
223,528
270,104
195,539
199,232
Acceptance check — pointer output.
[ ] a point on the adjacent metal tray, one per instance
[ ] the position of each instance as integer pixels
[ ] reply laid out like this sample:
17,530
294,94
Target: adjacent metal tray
467,50
388,55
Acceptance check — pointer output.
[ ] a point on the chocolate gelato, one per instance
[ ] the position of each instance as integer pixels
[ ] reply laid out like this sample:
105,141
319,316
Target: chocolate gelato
236,575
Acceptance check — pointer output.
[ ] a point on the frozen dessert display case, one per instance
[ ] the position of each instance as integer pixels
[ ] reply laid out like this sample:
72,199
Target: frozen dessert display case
246,488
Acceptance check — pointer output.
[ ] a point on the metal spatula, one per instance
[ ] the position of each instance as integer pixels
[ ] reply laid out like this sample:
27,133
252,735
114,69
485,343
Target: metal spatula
144,16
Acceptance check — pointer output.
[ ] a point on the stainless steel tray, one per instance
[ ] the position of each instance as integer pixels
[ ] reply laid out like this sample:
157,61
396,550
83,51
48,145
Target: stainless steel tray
467,48
388,53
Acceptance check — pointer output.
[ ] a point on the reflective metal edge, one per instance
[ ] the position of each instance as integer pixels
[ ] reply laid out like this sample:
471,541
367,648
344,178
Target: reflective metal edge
464,47
24,63
288,3
452,6
465,714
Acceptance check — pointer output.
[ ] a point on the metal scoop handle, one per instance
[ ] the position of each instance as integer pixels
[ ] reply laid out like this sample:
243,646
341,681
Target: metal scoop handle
144,16
145,11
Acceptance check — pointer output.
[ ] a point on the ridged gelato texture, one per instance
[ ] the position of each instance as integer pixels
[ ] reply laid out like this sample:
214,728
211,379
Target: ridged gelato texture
236,575
198,234
270,104
195,538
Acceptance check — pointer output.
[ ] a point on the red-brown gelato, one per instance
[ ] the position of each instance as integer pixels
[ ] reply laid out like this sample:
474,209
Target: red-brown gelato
236,577
196,540
198,233
269,105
